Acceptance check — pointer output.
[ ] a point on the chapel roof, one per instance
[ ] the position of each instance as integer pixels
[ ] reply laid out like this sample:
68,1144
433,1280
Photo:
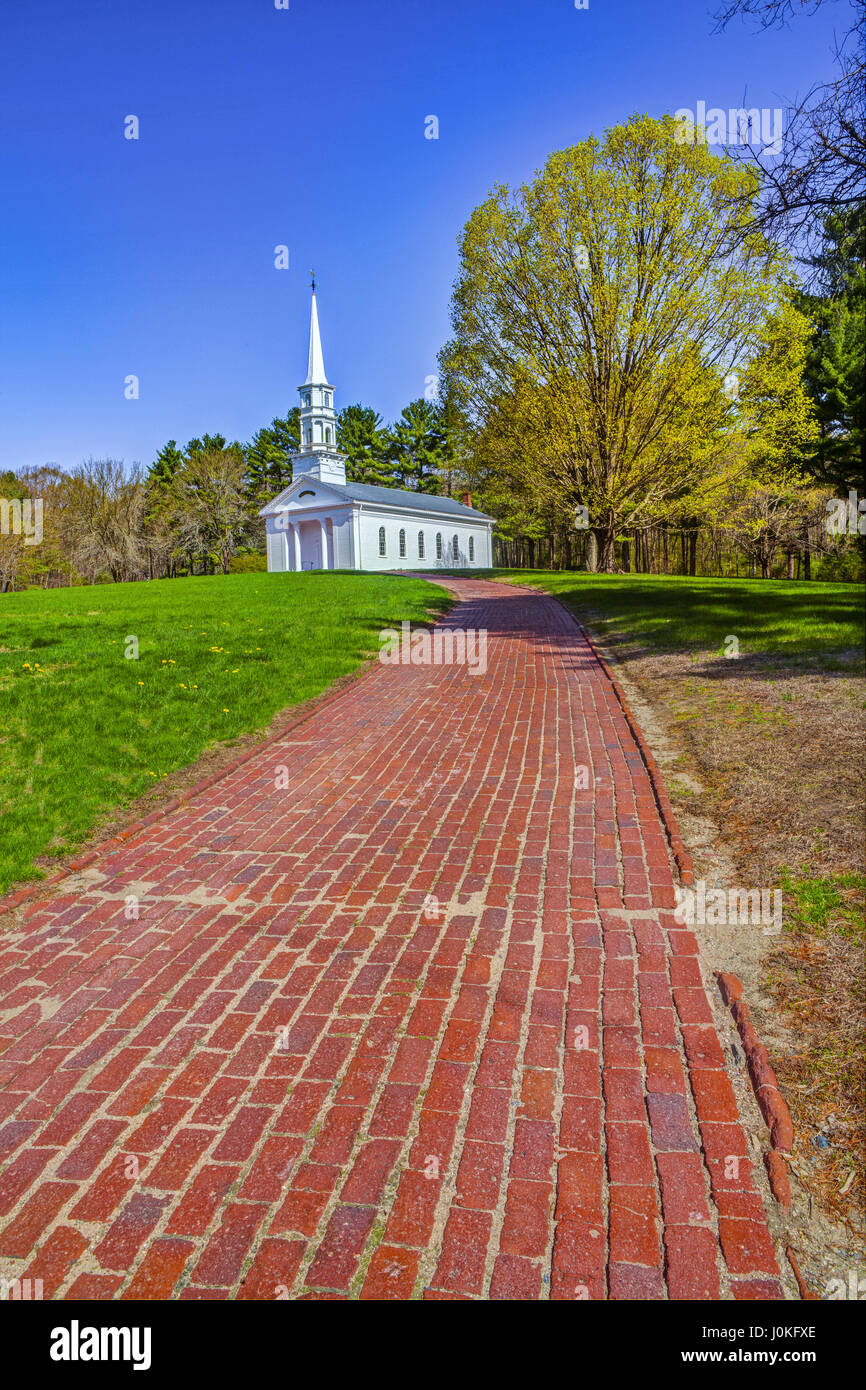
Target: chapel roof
393,497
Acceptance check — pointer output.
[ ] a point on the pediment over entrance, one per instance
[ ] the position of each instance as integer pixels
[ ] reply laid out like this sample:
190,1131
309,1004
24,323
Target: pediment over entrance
303,493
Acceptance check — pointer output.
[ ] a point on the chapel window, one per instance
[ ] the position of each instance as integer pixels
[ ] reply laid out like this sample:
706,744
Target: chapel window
403,545
420,545
381,540
438,545
471,549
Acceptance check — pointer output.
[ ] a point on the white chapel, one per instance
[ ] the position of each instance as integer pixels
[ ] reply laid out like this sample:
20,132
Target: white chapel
321,521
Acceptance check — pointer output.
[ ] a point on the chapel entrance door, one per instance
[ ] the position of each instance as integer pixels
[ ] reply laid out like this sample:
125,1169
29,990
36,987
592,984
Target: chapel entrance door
311,545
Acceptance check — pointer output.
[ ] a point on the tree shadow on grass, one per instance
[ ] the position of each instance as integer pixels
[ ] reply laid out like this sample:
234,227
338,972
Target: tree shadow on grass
774,637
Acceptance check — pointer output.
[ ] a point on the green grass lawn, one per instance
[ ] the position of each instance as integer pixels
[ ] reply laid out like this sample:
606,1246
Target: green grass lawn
766,615
85,730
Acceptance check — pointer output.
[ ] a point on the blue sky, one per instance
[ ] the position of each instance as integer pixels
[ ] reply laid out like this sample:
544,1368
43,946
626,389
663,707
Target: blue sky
304,127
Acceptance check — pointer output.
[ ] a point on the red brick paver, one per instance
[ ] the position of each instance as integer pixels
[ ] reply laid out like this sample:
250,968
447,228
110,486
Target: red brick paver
398,1008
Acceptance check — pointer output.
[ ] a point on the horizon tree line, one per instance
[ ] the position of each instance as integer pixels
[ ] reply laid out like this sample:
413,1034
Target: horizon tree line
197,506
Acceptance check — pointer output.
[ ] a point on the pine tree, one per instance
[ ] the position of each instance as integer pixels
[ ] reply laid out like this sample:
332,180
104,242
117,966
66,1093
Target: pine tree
834,367
165,465
269,467
360,437
416,448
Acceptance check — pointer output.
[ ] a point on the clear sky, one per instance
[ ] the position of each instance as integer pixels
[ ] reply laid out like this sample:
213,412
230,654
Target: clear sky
303,127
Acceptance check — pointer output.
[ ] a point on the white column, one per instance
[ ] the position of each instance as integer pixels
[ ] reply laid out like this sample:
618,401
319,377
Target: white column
296,546
324,530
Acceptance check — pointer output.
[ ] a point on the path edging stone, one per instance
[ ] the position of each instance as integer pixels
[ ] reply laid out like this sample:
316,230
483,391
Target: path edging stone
765,1085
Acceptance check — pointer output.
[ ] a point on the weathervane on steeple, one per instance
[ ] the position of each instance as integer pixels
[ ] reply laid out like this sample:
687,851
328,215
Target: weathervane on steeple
313,274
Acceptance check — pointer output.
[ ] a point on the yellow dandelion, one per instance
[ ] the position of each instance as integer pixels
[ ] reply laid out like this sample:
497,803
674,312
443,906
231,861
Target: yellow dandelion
225,711
140,682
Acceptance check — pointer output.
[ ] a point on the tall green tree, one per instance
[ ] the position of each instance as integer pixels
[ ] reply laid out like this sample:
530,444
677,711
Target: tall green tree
416,448
361,437
835,374
269,467
165,465
597,310
211,512
775,497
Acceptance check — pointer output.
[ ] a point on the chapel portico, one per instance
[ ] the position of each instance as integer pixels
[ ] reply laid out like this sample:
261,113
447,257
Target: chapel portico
308,543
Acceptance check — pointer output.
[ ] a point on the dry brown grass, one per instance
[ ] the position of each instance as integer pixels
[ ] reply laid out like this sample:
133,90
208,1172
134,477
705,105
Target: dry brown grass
778,748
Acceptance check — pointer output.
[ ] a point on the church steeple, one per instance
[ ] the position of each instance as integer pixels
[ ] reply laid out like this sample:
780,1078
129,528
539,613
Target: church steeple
318,456
315,361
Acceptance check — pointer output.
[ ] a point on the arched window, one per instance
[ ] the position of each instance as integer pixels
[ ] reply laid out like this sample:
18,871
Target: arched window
327,434
308,435
402,545
471,549
438,545
455,548
381,540
420,545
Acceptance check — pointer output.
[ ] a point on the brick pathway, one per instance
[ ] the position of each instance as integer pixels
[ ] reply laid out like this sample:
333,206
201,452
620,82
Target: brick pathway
404,1012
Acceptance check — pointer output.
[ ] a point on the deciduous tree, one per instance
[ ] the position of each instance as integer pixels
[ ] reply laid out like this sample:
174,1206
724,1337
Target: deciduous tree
596,313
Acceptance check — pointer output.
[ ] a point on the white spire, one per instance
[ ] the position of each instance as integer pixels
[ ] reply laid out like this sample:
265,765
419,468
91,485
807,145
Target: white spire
319,457
315,364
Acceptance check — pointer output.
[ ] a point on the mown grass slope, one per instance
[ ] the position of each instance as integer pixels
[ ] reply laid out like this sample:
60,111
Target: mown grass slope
766,615
86,725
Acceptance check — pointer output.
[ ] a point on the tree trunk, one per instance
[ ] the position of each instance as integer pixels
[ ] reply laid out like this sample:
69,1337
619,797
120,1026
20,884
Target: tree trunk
693,553
590,552
790,564
665,556
807,554
626,557
606,542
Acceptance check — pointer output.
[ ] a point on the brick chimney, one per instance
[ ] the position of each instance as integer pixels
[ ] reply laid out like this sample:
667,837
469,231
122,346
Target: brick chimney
467,499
